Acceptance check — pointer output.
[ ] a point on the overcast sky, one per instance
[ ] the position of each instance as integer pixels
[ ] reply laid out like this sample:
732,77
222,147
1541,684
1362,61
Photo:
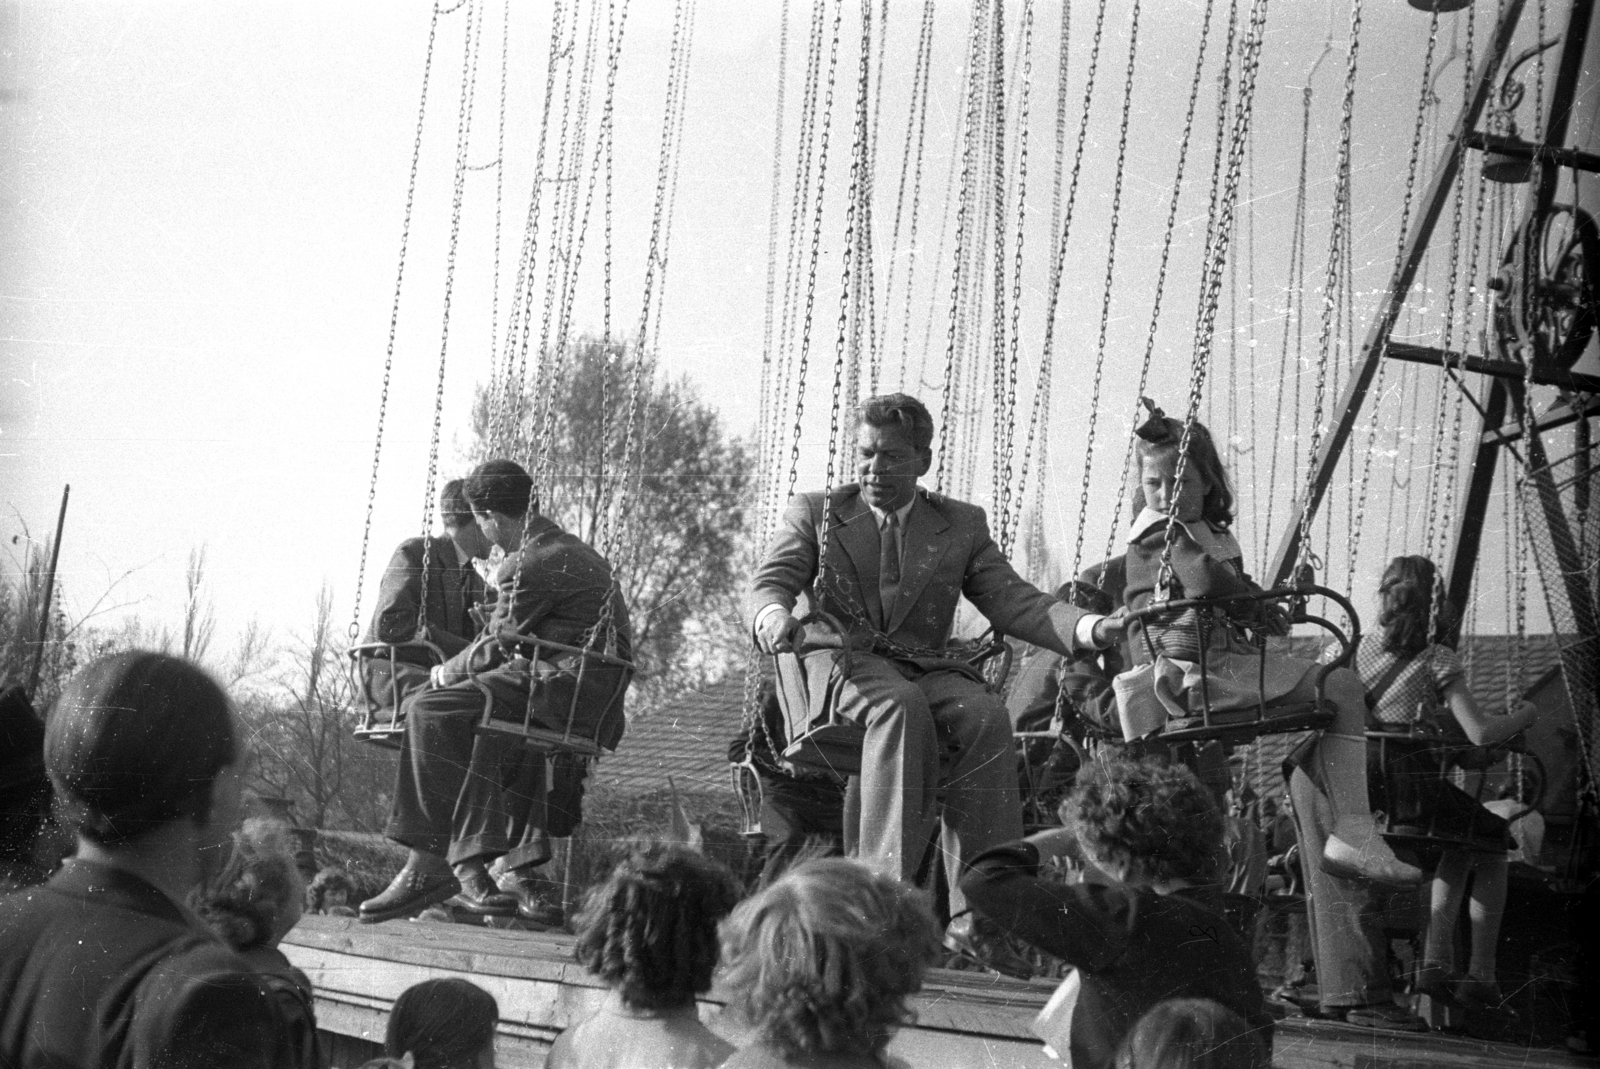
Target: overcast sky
202,208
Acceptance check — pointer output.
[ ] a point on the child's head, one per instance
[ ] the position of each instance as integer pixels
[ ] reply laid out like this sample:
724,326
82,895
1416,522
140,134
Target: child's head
259,894
1145,823
650,931
330,888
1191,1033
443,1024
1408,596
822,960
1206,493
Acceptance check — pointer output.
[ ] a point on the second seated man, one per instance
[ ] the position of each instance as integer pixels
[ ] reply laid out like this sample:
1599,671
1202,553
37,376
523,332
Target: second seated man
463,799
899,559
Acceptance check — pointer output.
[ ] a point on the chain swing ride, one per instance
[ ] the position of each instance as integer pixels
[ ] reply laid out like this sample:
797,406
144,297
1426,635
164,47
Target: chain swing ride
1535,308
574,711
1508,296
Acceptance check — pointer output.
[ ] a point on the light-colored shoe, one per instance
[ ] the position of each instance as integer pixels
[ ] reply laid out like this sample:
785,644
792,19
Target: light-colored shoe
1356,851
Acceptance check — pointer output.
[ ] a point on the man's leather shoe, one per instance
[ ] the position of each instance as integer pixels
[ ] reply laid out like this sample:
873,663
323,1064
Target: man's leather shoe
977,940
533,903
478,893
413,889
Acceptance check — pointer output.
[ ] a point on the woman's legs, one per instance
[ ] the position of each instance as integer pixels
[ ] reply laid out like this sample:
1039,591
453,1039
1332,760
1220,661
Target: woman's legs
1449,887
1487,907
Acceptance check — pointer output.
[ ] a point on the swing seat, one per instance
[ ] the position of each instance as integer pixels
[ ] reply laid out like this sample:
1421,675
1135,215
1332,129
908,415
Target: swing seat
810,677
1418,815
381,675
1241,725
746,783
571,701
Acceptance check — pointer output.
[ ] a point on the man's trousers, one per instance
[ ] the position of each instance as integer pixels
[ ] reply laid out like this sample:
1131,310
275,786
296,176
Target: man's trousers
928,735
463,795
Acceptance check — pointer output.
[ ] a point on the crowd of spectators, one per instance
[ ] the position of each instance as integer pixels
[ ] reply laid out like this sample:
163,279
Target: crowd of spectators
167,919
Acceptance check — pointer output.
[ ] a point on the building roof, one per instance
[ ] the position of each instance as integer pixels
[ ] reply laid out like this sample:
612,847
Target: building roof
686,738
1491,660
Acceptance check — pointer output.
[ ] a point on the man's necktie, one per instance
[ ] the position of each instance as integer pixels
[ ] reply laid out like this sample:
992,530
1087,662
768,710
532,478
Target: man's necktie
889,565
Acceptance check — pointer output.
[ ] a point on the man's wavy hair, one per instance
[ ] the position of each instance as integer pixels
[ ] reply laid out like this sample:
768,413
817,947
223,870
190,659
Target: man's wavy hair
821,962
1157,821
650,931
898,410
1408,596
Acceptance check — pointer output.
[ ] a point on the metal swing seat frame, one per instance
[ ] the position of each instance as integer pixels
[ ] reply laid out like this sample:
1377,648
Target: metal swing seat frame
574,693
375,728
818,736
1263,718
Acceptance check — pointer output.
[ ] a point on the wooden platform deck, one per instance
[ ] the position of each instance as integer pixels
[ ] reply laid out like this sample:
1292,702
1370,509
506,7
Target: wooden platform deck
963,1019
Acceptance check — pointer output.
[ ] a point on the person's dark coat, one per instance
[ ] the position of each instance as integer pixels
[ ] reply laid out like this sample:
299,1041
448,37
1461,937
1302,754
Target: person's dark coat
98,968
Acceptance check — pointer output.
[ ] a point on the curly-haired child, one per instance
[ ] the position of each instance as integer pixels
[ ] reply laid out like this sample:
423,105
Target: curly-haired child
650,932
251,905
1142,931
1180,547
1191,1033
820,963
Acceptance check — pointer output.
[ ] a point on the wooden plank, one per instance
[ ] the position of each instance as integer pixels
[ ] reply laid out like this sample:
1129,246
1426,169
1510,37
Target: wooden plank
963,1020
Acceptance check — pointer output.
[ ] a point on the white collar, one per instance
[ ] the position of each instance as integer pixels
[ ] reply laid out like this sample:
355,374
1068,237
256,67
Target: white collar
901,513
1218,543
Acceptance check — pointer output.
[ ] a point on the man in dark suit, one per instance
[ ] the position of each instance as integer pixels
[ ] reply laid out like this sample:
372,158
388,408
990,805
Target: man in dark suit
103,965
464,799
898,560
447,611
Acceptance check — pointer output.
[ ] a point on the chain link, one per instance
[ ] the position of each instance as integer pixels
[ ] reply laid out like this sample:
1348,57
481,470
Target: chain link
1009,526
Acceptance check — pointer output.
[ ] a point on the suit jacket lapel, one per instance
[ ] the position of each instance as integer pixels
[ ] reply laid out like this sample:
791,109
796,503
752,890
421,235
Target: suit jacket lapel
924,547
855,532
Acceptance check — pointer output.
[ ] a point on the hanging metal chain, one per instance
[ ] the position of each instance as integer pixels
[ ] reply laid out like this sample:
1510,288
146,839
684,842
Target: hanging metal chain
495,399
1045,373
1058,262
469,83
1216,257
394,326
1293,313
1337,236
1009,526
1169,230
916,132
970,136
1105,300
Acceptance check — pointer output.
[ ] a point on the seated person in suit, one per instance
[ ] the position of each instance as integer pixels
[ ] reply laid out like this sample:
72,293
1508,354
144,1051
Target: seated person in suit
898,559
454,593
103,965
462,799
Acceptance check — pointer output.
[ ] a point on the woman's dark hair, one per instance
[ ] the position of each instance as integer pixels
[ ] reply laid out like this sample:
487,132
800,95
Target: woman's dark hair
822,960
257,895
135,741
442,1024
1191,1033
650,930
1410,599
1156,820
899,410
1162,436
501,486
332,878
